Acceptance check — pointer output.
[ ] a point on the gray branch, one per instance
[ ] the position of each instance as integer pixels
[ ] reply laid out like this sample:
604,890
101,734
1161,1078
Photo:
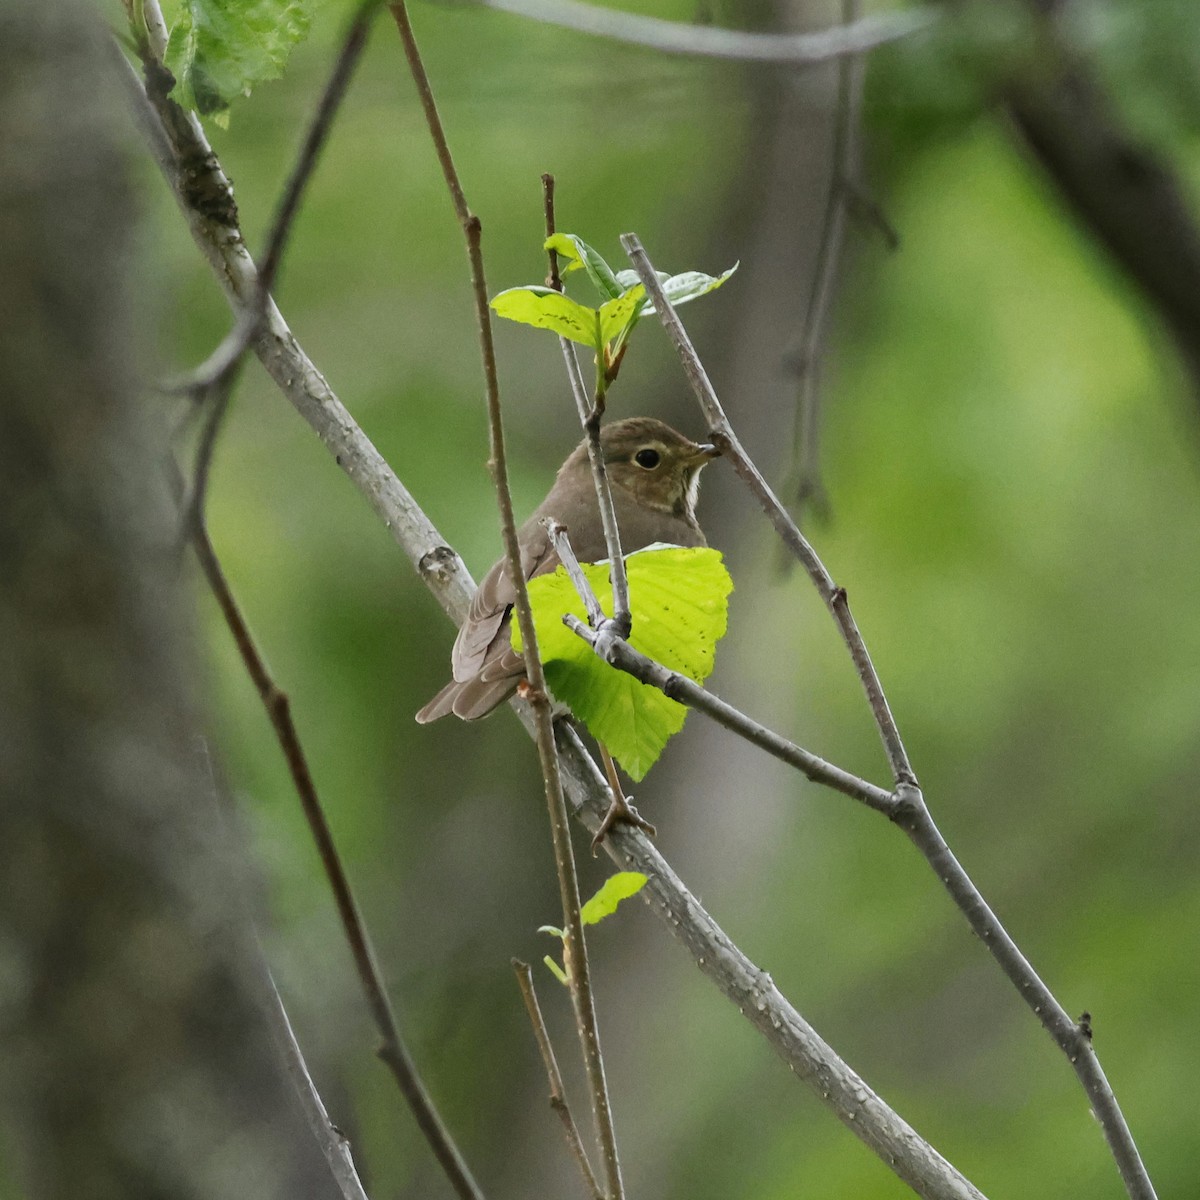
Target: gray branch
333,1143
911,812
708,41
731,448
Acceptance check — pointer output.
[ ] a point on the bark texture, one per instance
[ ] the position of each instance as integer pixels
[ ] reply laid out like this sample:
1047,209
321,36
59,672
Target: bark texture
133,1060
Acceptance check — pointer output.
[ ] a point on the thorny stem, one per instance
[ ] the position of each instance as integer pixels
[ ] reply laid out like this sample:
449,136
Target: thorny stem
581,990
392,1050
558,1096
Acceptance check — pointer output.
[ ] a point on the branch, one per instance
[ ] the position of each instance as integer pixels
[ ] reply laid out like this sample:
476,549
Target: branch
583,1001
807,467
558,1097
443,572
392,1050
214,379
727,441
752,990
205,197
707,41
589,419
1126,195
332,1141
911,813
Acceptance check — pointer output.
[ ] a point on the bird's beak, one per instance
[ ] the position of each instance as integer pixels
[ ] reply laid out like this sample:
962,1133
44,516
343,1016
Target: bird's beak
705,452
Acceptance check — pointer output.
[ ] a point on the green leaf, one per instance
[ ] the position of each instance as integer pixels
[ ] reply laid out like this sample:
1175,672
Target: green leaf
616,888
219,49
545,308
554,931
678,598
629,277
580,254
679,289
616,314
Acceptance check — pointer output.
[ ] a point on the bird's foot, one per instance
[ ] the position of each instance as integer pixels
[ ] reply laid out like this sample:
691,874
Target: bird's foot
620,812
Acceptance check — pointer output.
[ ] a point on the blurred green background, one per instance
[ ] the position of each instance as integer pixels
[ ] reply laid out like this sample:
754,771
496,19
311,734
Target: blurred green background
1012,459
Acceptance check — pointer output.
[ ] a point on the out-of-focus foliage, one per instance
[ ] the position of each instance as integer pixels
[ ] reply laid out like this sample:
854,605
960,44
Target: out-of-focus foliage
219,49
1013,470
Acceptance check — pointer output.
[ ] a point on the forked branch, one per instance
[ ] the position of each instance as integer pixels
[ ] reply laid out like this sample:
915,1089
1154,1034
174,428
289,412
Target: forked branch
910,811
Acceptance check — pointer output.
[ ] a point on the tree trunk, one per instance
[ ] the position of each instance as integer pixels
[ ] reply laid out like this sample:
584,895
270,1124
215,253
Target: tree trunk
135,1062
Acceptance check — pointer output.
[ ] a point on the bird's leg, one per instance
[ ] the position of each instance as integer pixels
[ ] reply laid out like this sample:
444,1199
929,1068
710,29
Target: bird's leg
620,810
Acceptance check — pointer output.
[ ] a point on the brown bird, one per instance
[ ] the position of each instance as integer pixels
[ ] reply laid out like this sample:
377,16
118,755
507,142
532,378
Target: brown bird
654,476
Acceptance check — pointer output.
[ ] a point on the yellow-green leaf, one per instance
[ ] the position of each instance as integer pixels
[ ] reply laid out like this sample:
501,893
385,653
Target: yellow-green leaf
616,314
545,308
616,888
679,600
580,254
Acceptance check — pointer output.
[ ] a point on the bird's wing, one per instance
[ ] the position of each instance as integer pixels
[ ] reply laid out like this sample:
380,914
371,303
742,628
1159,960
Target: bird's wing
483,638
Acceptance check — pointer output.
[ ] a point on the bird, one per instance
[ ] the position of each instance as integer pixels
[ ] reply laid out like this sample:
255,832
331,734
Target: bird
654,476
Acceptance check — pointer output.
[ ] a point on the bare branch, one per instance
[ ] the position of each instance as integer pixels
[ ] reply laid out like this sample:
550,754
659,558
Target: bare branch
727,442
205,198
538,696
810,490
393,1050
213,381
757,998
558,1097
911,813
619,653
1124,193
332,1141
707,41
589,419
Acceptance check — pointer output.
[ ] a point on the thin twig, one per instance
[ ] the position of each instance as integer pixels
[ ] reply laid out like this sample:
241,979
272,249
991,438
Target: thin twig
809,488
553,278
213,381
392,1050
708,41
194,175
727,442
911,813
558,1096
538,696
1074,1038
615,650
863,1112
619,653
333,1142
589,419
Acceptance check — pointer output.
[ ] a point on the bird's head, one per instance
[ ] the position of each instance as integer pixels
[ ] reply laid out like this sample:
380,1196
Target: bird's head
654,463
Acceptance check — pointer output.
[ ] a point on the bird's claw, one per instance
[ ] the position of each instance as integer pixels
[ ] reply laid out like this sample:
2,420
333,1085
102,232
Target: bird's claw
621,812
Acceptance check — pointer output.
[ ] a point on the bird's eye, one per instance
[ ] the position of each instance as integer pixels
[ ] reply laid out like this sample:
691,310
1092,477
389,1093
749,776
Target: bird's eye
647,458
